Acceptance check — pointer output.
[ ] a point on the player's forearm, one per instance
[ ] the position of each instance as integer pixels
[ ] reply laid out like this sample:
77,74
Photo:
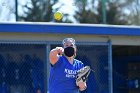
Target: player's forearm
53,56
54,52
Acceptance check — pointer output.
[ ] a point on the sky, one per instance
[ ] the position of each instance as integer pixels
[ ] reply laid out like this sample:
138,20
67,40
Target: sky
6,12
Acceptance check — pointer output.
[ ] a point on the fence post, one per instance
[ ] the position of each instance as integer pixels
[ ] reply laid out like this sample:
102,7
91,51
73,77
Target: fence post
48,63
110,67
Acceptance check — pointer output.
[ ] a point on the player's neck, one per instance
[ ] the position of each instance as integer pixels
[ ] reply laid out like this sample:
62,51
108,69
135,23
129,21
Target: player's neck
70,59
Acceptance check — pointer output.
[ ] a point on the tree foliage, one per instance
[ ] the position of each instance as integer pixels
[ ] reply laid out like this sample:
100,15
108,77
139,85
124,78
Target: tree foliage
39,11
94,14
118,12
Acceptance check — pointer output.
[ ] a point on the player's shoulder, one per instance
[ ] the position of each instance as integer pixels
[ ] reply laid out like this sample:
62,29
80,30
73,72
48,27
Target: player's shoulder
78,61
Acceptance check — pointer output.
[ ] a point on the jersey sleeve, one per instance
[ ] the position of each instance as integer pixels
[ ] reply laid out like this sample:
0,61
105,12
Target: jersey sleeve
82,65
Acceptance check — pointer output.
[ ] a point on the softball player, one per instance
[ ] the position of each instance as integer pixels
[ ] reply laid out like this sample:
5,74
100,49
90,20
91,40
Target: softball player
64,68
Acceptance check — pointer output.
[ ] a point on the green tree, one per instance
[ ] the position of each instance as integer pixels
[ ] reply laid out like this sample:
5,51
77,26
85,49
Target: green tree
134,12
39,11
83,15
113,14
94,14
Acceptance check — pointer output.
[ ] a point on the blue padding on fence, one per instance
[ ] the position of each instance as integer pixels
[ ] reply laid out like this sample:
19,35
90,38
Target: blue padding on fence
70,29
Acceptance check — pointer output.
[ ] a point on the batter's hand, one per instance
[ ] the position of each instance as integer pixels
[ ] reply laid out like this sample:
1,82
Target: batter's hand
60,50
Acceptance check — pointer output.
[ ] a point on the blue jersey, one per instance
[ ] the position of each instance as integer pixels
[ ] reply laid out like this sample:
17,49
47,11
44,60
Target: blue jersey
62,76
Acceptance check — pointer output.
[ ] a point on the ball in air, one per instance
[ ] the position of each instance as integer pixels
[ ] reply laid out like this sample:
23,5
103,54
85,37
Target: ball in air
58,15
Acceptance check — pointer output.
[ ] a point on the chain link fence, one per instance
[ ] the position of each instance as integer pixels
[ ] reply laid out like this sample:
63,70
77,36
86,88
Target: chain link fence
95,56
23,67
